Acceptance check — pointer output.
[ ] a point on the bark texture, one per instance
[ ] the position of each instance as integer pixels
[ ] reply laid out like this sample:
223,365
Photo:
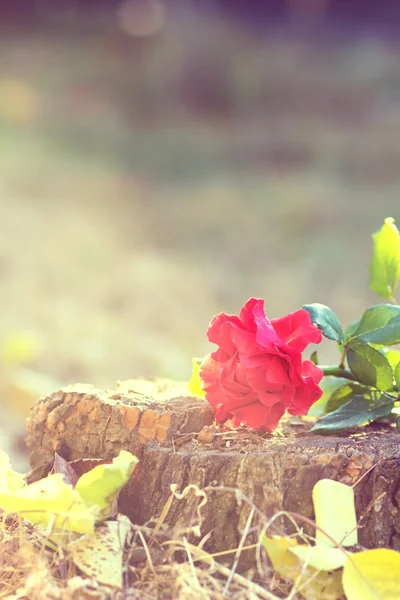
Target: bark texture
173,435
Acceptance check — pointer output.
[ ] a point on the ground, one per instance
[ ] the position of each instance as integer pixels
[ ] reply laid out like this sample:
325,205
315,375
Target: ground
149,184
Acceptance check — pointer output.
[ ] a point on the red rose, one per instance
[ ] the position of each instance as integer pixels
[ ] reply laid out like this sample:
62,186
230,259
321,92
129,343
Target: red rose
257,373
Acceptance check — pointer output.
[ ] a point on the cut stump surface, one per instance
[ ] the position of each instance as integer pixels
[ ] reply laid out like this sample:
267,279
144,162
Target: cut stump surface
173,435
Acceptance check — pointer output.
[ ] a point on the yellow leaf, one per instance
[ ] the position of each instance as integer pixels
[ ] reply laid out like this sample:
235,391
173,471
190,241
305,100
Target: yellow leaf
372,575
335,513
99,488
100,556
195,381
321,557
20,347
49,502
314,584
10,481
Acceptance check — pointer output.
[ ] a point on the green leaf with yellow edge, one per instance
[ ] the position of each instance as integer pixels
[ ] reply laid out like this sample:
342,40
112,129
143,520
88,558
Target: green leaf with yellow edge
392,356
195,381
50,502
372,575
314,584
99,488
100,555
335,513
385,263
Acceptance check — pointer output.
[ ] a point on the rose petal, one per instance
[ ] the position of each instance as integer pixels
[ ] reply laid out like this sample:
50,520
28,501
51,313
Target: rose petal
245,341
254,319
259,417
304,397
277,371
311,371
219,331
297,330
285,395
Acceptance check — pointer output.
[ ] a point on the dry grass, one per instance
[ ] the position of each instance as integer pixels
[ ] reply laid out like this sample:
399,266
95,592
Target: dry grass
158,565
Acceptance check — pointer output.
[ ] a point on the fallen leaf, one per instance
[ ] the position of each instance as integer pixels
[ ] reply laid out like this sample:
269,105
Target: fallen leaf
50,502
99,487
314,584
335,513
100,556
322,558
372,575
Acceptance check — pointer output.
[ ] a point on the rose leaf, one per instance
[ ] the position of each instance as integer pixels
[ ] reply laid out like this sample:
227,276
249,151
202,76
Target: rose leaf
370,366
343,394
326,320
358,411
379,325
328,385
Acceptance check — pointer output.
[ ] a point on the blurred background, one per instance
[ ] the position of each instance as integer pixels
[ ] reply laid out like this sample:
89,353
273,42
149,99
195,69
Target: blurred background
162,161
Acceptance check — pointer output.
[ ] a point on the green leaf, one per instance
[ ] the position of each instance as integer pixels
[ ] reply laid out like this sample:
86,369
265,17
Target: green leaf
328,385
385,263
370,366
358,411
343,394
314,357
326,320
388,336
379,324
397,376
351,329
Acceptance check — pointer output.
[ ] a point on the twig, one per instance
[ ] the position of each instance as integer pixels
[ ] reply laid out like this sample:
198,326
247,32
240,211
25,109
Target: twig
246,583
238,552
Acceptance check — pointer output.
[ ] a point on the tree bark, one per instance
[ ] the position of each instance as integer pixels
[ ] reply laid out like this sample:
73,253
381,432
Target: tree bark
173,435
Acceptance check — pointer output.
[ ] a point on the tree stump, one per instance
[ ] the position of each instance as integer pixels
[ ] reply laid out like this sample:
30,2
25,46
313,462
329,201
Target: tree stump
173,435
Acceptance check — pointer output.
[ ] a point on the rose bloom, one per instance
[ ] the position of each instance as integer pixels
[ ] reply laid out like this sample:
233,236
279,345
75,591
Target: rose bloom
257,372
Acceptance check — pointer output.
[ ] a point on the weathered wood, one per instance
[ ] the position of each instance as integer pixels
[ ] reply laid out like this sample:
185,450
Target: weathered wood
173,435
